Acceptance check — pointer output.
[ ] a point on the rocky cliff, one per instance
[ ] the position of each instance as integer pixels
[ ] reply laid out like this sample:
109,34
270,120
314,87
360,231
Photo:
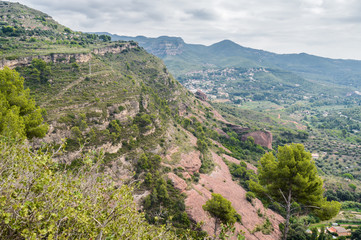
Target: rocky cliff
263,138
66,58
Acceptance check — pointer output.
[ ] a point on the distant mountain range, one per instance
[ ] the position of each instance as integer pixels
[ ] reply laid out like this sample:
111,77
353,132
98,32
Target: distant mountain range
181,58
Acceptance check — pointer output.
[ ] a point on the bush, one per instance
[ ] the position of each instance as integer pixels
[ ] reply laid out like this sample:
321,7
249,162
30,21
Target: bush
39,202
250,196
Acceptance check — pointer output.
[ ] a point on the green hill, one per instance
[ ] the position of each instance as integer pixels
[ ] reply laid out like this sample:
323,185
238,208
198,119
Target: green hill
116,102
299,97
190,57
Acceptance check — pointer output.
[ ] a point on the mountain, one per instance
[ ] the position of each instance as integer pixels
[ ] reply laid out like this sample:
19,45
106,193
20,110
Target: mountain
229,54
298,97
120,103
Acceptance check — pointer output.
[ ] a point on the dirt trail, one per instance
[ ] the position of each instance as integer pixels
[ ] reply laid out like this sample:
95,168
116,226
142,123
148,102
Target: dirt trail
72,84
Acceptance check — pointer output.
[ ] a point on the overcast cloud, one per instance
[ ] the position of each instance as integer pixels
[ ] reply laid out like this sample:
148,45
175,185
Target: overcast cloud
329,28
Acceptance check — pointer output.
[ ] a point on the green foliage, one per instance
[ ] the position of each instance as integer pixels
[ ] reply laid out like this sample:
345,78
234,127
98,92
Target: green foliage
241,172
164,204
39,202
19,116
221,209
348,176
356,234
228,230
350,205
143,121
241,149
202,145
115,129
39,71
266,227
352,186
148,163
250,196
292,177
105,38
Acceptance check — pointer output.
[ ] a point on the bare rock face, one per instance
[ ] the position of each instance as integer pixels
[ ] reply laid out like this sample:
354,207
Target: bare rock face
191,162
63,57
222,133
110,148
178,182
263,138
131,108
220,181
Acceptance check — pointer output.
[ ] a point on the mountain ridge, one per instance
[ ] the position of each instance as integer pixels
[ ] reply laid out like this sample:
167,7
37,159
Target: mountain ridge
226,53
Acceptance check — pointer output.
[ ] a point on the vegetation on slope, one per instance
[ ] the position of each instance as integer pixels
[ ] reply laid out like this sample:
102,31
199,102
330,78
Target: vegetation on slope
39,200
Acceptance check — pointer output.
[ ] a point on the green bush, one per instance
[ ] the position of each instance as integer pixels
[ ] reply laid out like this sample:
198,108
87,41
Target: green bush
39,202
250,196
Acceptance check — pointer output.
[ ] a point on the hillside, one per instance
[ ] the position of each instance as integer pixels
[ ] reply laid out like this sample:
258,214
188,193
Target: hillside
297,97
229,54
298,91
116,99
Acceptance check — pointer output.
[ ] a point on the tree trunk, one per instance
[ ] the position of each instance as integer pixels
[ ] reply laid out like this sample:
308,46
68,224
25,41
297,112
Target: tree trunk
215,228
288,216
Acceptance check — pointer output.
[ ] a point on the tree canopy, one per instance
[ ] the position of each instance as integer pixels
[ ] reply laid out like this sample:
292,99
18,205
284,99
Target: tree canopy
292,180
356,234
221,209
19,115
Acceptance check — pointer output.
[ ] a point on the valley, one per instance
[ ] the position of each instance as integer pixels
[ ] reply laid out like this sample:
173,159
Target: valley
118,128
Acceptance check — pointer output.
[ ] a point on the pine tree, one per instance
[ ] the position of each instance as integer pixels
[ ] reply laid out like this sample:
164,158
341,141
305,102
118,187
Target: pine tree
292,180
19,116
221,209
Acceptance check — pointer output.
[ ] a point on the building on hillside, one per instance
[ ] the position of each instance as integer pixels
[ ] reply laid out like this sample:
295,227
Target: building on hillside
340,231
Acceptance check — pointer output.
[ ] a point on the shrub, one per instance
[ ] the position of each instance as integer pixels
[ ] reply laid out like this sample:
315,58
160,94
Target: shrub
250,196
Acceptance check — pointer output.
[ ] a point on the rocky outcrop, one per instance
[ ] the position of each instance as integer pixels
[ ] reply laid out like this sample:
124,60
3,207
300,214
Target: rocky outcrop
237,129
63,57
201,95
117,48
191,162
221,133
178,182
54,58
131,108
263,138
236,161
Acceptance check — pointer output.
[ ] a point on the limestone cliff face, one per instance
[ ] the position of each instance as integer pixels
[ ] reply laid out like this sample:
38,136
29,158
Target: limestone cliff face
263,138
54,58
66,58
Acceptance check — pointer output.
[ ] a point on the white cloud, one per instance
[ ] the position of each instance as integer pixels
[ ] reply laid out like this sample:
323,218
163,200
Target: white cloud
322,27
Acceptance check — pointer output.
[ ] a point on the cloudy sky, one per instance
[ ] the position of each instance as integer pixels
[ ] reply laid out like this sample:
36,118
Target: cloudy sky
329,28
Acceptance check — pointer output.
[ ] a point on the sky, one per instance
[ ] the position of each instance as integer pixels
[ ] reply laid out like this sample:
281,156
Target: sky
328,28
